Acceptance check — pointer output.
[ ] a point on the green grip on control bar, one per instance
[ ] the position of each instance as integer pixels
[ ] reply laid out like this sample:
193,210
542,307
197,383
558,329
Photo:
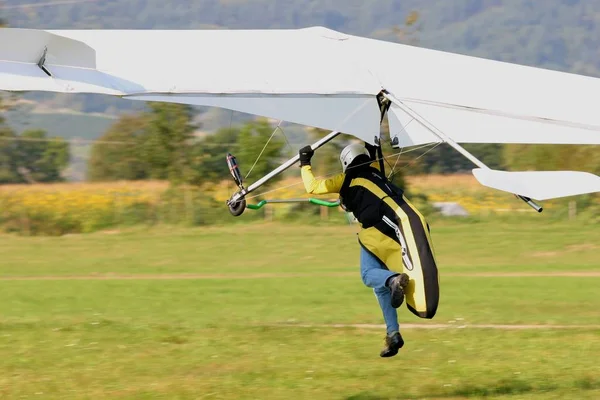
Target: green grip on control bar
318,202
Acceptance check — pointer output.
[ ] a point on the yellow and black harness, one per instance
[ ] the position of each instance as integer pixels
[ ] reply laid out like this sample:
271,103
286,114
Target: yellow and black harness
396,233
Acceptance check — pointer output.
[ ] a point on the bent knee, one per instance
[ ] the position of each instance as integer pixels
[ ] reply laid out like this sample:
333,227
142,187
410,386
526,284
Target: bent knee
364,277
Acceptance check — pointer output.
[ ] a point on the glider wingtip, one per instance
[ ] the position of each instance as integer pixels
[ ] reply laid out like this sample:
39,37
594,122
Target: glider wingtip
540,185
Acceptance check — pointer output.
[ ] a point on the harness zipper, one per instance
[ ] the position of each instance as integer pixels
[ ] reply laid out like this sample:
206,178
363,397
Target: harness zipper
405,256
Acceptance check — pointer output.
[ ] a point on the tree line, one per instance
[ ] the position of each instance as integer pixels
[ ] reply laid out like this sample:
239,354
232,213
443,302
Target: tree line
31,156
162,143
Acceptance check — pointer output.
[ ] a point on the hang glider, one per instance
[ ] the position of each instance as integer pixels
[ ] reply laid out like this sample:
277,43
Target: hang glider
326,79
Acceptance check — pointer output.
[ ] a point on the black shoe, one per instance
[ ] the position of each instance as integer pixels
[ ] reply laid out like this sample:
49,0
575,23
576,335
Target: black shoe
392,345
397,285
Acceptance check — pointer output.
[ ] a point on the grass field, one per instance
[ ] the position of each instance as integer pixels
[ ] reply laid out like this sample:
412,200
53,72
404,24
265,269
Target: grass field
273,311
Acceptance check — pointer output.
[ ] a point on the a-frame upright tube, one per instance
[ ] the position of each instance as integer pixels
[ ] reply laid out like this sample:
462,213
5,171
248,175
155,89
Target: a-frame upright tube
238,196
290,162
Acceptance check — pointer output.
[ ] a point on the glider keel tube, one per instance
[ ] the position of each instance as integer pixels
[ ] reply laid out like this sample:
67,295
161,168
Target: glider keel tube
237,202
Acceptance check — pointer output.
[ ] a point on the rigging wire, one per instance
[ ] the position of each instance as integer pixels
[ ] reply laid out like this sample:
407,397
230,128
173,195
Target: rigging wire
416,159
285,137
335,173
387,162
392,172
263,149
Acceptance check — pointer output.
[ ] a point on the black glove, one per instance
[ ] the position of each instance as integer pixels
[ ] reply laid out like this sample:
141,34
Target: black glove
305,154
372,151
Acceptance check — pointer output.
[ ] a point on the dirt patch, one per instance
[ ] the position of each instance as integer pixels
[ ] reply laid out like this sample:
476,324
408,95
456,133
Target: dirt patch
546,254
569,249
582,247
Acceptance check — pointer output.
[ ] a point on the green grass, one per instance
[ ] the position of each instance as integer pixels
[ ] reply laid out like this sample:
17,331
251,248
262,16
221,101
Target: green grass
294,248
264,338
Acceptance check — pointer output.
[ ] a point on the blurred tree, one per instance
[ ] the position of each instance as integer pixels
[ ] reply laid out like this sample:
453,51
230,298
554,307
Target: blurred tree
8,166
159,146
552,157
584,158
116,154
209,155
41,160
253,137
31,157
490,153
2,109
165,146
443,159
246,143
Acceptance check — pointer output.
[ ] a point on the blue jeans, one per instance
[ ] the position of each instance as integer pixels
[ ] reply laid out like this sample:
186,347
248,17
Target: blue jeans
374,275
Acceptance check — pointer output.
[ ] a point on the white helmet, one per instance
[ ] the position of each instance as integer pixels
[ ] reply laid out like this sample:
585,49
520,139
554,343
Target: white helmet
350,152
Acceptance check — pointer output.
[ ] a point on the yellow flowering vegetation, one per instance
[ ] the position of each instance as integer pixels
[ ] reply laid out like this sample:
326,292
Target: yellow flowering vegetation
86,207
423,192
479,200
54,209
469,193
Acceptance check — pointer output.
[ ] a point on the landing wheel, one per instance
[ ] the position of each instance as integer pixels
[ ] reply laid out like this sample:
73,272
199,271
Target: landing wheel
237,208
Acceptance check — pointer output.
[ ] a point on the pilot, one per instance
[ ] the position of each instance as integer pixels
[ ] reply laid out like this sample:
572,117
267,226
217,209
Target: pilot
394,236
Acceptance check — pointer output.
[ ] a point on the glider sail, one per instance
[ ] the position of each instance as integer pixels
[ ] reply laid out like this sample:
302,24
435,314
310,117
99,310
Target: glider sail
316,77
540,185
355,115
321,78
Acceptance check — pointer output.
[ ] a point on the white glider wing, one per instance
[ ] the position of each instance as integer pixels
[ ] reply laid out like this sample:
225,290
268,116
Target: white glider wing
282,74
476,100
539,185
326,79
312,76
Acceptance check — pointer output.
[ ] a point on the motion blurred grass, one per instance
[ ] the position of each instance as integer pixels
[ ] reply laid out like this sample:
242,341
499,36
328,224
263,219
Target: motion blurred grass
229,337
486,245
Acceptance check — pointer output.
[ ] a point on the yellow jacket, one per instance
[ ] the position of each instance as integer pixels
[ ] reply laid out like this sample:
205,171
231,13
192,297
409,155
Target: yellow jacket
324,186
405,246
321,186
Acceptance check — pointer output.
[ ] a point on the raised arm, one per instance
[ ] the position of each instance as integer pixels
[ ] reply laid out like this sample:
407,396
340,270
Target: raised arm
312,184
